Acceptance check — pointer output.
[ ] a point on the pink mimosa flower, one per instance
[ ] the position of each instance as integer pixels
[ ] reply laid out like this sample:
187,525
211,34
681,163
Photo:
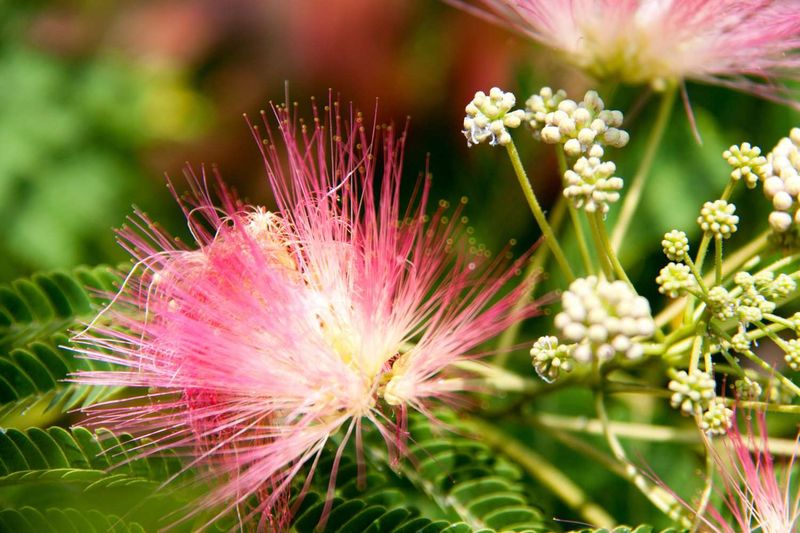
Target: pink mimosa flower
737,43
280,329
755,496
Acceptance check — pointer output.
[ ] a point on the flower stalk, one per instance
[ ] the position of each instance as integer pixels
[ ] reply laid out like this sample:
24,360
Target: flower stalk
634,194
550,238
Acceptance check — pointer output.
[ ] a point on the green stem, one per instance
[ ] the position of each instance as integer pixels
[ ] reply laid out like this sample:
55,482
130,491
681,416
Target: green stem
580,235
779,320
585,448
537,265
788,383
718,260
781,263
638,389
764,406
732,264
634,194
605,261
705,497
760,333
657,496
631,430
700,281
681,346
609,250
702,250
646,432
694,360
538,214
538,467
556,220
728,190
494,376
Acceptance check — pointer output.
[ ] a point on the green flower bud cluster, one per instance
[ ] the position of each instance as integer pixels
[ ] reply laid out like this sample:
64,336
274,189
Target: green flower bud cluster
591,183
489,118
747,389
747,162
778,392
693,392
675,280
538,106
741,342
792,356
772,287
675,245
550,358
721,303
718,219
578,126
752,304
717,418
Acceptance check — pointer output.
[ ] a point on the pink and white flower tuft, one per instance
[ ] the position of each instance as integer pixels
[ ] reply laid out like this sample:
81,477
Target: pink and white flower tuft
281,329
737,43
755,497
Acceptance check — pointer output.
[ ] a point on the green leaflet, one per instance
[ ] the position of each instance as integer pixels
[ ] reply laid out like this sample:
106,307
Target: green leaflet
34,376
368,516
94,477
626,529
55,520
37,307
471,481
77,456
450,484
36,316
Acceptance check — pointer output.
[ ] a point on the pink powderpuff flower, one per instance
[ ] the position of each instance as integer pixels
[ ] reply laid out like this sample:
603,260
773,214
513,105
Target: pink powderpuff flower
754,495
736,43
281,329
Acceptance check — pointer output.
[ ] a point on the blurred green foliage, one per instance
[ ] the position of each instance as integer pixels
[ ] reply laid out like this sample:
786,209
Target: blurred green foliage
78,132
72,131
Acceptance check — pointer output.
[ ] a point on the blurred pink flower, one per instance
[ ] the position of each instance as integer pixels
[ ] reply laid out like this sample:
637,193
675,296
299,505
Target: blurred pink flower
736,43
284,328
757,496
754,495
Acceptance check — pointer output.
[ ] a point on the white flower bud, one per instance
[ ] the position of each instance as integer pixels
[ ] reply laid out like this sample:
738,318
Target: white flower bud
792,185
782,201
574,332
780,221
596,151
551,135
582,353
567,127
599,126
772,186
568,106
572,148
636,351
582,116
590,184
586,136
